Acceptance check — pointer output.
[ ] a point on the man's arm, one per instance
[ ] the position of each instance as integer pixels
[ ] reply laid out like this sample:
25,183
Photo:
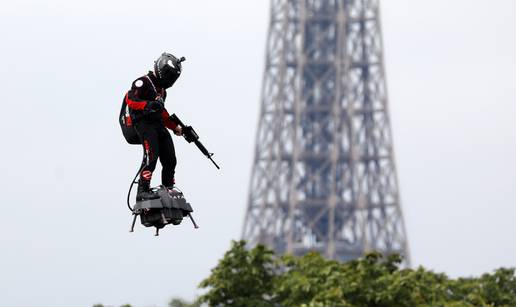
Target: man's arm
171,124
135,103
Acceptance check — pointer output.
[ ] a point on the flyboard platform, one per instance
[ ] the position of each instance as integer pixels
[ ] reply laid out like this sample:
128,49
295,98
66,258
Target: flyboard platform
170,208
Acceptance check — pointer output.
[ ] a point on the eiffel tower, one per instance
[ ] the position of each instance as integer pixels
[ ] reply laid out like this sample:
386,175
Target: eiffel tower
324,175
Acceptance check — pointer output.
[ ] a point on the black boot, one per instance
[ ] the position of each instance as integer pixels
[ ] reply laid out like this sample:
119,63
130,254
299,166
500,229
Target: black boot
170,185
144,191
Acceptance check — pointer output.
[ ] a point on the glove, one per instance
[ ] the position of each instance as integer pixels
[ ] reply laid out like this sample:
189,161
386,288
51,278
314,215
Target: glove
178,130
154,105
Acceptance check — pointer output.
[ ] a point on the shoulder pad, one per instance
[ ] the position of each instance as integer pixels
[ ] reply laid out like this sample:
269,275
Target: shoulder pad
140,82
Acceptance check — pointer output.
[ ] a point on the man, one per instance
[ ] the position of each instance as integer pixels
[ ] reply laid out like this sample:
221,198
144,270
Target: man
146,100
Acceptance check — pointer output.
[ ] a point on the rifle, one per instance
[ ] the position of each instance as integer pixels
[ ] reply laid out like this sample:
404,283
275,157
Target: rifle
191,136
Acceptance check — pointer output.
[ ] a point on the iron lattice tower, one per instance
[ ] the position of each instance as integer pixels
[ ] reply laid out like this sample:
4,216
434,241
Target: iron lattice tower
324,176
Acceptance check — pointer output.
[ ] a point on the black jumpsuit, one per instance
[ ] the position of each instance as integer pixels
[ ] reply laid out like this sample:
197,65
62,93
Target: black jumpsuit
151,127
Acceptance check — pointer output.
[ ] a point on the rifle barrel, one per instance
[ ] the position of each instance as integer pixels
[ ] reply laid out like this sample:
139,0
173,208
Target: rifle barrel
214,163
194,138
206,152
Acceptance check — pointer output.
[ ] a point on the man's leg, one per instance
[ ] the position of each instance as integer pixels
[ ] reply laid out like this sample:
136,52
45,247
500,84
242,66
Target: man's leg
167,157
150,142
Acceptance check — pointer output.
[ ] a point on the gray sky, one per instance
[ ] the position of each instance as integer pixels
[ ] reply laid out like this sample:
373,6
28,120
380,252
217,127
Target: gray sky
66,168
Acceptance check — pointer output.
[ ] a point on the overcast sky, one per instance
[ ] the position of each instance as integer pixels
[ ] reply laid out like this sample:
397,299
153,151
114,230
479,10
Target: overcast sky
65,66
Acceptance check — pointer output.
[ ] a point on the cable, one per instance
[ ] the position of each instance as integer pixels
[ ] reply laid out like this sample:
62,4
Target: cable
134,180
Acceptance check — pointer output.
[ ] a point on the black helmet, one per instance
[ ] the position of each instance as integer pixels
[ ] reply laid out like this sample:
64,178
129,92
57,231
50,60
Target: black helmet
167,69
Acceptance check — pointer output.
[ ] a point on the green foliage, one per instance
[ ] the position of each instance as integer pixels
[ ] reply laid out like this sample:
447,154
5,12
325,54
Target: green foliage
256,277
178,302
242,278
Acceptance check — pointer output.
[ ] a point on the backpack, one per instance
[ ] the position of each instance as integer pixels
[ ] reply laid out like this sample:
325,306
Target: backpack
126,123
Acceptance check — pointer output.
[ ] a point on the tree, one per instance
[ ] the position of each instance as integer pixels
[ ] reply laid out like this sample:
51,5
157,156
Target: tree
178,302
100,305
256,277
242,278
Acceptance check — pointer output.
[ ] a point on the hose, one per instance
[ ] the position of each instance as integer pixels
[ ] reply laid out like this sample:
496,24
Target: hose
134,180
